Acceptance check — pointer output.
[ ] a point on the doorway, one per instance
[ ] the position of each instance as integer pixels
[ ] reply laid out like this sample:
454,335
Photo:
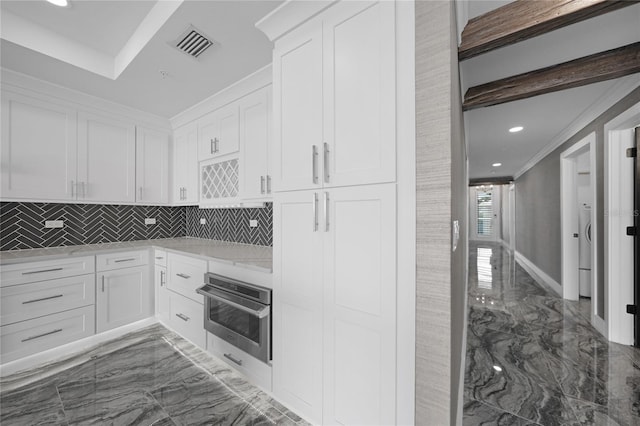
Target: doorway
620,214
485,213
579,236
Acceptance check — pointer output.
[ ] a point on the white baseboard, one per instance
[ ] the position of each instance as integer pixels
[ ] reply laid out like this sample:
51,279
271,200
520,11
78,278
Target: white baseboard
70,349
538,273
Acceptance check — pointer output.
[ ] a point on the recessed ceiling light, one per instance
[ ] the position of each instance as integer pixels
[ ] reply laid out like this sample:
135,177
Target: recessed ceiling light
516,129
497,368
61,3
497,164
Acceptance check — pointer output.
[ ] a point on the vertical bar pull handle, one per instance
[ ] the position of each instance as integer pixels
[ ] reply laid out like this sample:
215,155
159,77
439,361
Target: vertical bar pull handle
161,278
103,283
73,189
315,212
326,162
140,192
314,163
212,146
216,145
262,184
268,184
84,189
326,212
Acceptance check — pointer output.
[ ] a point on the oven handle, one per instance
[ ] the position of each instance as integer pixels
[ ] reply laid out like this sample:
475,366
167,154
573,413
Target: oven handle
261,313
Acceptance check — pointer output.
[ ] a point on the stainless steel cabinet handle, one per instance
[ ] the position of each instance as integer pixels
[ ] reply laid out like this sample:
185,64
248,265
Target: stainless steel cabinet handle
268,184
73,189
185,276
185,193
262,184
40,300
103,283
230,357
183,317
42,271
125,260
162,278
58,330
84,189
315,212
159,257
212,143
140,191
314,163
326,162
326,212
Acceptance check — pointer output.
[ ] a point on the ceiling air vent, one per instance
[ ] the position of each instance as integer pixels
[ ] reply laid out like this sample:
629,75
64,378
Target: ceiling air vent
193,42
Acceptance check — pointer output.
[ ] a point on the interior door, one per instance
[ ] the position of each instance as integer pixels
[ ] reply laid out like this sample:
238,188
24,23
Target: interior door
485,211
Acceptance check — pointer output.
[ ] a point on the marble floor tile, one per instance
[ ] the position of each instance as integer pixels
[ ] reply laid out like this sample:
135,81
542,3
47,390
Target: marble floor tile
149,377
532,356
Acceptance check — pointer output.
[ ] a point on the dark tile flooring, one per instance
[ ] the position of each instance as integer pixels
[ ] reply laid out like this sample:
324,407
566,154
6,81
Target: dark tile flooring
149,377
534,359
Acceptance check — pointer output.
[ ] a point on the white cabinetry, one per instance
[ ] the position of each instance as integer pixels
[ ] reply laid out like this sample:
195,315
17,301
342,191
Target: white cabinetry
162,307
255,131
219,133
185,165
45,304
106,159
220,182
152,166
123,295
334,99
39,149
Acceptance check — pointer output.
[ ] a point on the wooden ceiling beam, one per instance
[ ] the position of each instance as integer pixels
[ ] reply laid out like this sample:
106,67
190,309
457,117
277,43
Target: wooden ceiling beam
590,69
523,19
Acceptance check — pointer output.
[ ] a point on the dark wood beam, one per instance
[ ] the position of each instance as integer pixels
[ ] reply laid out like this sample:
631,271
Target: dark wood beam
523,19
579,72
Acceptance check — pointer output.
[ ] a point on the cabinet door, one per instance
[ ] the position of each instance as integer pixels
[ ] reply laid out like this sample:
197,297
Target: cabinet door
254,135
297,303
152,166
185,165
297,108
122,297
207,136
106,159
162,306
39,149
229,130
359,305
359,94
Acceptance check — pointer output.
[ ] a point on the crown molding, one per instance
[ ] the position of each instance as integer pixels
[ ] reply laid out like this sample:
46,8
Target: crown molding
255,81
36,88
621,89
290,14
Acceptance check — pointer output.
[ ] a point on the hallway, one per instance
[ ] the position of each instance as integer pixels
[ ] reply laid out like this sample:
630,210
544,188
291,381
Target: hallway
533,358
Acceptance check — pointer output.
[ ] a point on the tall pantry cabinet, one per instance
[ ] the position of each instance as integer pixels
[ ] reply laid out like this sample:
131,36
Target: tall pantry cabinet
334,167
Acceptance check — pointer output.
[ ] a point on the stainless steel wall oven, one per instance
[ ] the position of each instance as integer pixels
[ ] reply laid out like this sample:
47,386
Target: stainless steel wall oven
239,313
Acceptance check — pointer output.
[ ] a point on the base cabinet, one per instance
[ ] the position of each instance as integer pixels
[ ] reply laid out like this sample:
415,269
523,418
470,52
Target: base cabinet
122,297
186,317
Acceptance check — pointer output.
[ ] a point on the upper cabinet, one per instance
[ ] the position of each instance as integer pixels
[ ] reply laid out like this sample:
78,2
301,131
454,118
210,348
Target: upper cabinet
152,166
334,99
106,159
39,149
185,165
255,132
219,133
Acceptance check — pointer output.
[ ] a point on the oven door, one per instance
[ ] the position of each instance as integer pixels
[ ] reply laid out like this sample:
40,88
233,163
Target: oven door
244,323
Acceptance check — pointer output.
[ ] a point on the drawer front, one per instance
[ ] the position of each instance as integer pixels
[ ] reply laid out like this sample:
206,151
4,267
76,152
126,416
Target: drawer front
253,368
30,272
160,257
186,317
185,275
37,335
125,259
28,301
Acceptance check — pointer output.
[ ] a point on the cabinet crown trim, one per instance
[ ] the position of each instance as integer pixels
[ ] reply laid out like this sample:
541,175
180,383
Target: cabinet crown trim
289,15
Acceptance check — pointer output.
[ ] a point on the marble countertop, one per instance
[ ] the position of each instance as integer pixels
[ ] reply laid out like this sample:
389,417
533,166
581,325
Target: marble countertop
243,255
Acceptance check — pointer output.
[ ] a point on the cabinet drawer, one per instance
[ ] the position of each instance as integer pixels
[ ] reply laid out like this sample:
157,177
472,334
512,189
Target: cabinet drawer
185,275
257,371
21,273
125,259
186,317
160,257
27,301
37,335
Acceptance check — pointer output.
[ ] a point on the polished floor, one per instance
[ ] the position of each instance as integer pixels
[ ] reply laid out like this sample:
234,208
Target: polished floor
149,377
534,359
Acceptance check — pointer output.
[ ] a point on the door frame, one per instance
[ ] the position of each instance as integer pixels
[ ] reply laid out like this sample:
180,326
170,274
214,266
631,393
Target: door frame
569,217
618,323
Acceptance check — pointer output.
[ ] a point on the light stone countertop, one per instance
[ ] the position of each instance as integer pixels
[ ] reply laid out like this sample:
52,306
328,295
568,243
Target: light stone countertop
258,258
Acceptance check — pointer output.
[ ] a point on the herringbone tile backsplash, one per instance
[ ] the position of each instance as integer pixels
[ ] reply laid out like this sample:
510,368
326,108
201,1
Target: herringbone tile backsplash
22,224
